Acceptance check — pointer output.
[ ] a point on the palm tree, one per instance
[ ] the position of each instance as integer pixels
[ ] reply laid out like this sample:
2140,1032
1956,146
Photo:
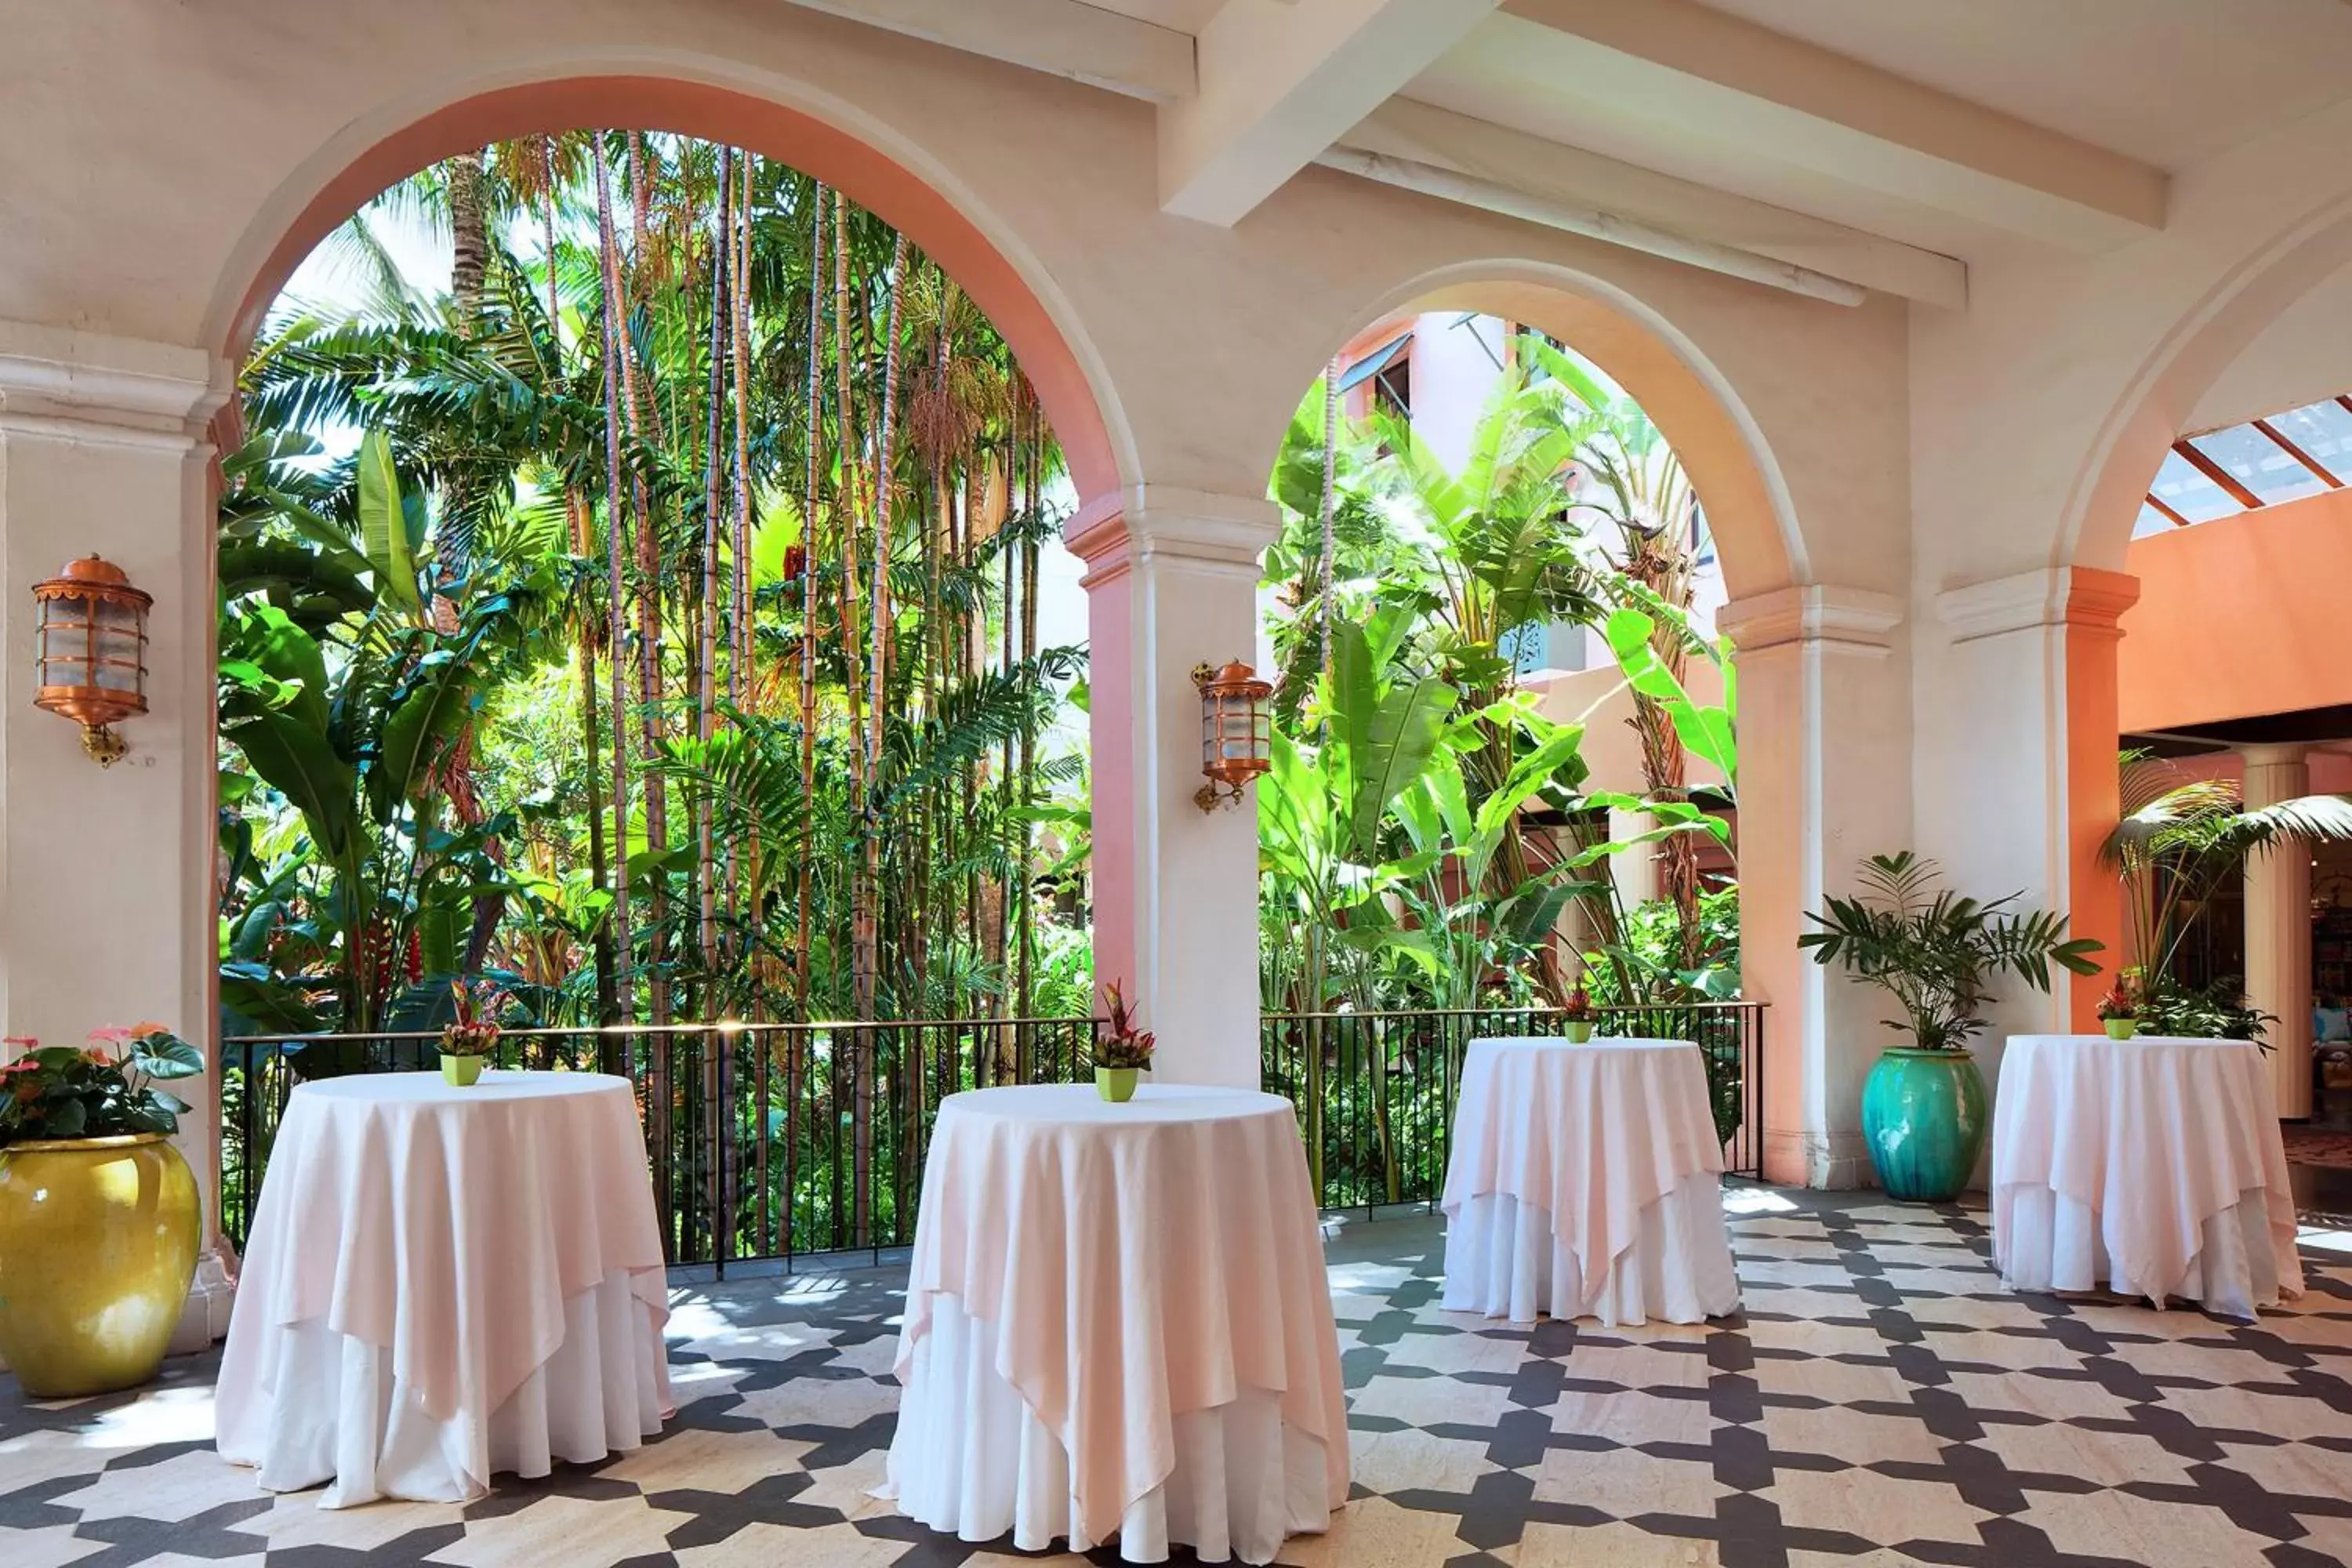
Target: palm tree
2179,843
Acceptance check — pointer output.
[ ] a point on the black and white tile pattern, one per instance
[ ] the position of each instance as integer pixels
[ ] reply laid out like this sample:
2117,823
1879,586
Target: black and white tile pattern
1882,1400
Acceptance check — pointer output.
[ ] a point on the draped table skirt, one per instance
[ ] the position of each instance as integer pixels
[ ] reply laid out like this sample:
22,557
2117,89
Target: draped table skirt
2050,1242
1586,1181
332,1410
2151,1166
443,1284
971,1460
1118,1327
1504,1258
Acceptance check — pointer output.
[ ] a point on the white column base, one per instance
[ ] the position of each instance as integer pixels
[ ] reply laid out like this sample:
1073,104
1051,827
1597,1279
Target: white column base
204,1319
1827,1161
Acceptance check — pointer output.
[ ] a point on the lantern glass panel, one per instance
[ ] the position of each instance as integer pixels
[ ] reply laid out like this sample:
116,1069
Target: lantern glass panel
118,647
64,652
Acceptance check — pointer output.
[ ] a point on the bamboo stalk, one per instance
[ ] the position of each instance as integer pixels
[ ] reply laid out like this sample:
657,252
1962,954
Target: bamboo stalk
615,521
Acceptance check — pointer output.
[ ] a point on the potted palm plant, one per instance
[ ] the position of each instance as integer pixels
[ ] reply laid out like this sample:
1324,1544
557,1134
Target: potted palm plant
1936,953
1122,1052
99,1218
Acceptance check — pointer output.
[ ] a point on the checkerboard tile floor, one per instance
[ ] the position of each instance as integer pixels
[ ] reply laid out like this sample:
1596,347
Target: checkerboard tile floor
1882,1400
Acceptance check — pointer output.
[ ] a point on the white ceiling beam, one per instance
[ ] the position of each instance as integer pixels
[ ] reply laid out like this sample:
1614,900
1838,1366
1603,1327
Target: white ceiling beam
1061,37
1700,73
1566,176
1614,228
1280,80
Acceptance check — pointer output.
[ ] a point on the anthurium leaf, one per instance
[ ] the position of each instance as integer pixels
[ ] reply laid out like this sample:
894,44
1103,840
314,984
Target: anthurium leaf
168,1058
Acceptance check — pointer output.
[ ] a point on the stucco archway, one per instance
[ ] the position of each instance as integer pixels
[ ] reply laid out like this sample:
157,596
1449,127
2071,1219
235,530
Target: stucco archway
2154,408
369,157
1692,403
2104,504
1760,546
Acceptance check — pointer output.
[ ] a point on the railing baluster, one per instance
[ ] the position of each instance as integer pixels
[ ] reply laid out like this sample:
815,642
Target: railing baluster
1375,1090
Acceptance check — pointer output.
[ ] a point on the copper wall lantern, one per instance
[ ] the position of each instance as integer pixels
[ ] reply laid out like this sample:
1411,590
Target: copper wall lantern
1236,731
93,651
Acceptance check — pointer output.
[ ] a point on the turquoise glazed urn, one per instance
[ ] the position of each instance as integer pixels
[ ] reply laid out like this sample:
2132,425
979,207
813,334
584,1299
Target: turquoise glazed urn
1924,1114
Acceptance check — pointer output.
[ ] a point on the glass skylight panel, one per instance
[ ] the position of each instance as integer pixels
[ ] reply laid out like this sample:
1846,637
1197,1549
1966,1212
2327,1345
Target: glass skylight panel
2150,522
2259,463
2182,487
2323,430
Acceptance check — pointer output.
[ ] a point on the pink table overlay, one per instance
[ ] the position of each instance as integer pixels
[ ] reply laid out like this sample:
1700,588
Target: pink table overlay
1117,1321
442,1282
1585,1181
2153,1165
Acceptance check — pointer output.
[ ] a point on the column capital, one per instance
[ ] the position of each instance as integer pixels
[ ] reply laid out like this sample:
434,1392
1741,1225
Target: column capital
2082,598
1826,615
2274,755
1114,529
92,389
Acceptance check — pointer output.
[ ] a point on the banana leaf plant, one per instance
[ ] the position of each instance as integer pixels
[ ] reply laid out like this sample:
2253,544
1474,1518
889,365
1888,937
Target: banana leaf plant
352,722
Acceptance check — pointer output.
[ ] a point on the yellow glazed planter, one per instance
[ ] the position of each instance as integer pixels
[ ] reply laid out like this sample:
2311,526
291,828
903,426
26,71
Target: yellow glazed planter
98,1246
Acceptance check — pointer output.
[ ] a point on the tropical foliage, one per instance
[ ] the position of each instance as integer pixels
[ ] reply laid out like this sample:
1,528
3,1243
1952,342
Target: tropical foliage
1426,826
2179,843
650,624
104,1090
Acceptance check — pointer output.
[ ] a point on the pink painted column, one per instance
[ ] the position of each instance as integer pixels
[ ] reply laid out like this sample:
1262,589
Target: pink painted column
2278,927
1171,582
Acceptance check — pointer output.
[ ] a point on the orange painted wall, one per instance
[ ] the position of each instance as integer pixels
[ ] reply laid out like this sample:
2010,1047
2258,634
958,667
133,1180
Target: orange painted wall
2240,618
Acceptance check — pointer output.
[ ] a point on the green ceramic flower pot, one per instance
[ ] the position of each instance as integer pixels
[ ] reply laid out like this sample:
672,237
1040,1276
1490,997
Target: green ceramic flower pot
460,1072
1577,1033
1925,1115
2122,1029
1116,1084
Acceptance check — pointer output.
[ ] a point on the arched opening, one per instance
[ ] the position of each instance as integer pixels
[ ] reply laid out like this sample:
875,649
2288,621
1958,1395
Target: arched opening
1076,400
722,601
2219,660
1505,766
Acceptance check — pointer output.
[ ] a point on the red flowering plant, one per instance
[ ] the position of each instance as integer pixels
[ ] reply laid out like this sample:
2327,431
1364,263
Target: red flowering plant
102,1090
2122,1000
473,1031
1577,1006
1123,1045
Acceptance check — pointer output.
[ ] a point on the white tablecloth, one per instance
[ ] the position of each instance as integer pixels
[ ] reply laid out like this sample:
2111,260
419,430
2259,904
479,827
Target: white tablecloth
1117,1324
1586,1181
445,1283
2153,1166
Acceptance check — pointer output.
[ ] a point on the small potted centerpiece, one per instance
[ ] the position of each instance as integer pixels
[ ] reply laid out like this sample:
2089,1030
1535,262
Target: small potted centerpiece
1936,953
2119,1010
99,1215
1122,1052
466,1039
1578,1015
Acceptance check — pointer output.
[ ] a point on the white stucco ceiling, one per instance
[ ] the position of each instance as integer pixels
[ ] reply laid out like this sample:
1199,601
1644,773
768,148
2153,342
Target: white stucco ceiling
2169,82
1182,15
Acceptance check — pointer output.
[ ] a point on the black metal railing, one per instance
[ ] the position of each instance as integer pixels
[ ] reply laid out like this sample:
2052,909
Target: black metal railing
771,1140
1375,1090
764,1141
